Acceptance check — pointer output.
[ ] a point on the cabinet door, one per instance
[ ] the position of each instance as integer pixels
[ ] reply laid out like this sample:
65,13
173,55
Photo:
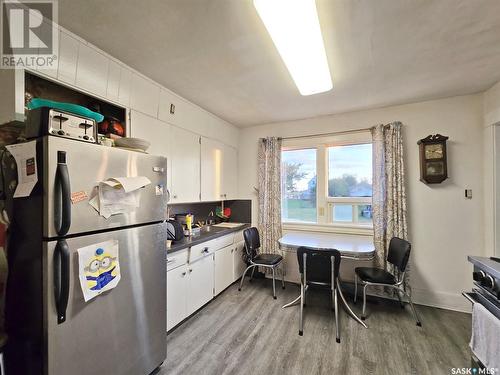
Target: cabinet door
124,90
229,172
185,166
144,95
113,81
177,285
200,283
155,131
68,56
223,268
164,109
211,170
238,263
92,71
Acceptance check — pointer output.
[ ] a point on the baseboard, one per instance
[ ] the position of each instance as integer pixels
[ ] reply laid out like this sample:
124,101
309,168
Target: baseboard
442,300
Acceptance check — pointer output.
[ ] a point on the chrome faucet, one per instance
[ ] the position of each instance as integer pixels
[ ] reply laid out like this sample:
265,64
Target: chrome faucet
210,221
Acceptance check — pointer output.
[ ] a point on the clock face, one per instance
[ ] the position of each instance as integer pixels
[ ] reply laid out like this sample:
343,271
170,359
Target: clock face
434,151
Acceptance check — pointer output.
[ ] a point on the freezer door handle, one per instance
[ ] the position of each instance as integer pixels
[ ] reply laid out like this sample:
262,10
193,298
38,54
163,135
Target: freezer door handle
61,279
62,199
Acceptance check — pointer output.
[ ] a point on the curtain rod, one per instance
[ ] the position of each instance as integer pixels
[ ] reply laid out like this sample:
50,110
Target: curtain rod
328,134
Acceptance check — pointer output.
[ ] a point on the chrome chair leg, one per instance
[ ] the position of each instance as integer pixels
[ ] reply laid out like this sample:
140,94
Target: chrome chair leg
243,276
283,275
251,276
398,293
274,284
301,317
419,323
363,315
355,288
347,307
337,315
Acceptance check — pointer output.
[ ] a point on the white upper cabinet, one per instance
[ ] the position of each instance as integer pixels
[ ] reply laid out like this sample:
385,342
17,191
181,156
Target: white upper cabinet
92,70
68,57
156,132
229,172
49,70
144,95
165,110
185,166
113,89
124,90
211,169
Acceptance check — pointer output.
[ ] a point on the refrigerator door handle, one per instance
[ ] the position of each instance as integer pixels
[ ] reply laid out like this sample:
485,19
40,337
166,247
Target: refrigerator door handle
62,191
61,279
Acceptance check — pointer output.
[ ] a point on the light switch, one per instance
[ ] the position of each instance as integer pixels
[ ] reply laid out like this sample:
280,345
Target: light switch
468,193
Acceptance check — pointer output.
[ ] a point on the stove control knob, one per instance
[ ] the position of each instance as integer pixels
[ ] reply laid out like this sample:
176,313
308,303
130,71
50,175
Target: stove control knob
488,282
478,276
60,132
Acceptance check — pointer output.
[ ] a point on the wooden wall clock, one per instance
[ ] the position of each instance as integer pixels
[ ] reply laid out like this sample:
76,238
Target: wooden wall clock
433,165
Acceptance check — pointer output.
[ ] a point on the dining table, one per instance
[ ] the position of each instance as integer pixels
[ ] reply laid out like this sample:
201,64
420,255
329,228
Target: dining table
352,247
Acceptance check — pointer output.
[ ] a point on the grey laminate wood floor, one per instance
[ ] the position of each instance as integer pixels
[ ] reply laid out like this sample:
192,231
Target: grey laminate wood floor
247,332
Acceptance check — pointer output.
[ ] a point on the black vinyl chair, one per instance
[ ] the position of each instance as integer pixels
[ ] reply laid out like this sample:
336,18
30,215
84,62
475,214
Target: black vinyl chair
399,255
272,261
319,267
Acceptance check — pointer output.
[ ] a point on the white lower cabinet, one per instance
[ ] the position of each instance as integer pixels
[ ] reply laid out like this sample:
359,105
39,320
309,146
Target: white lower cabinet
177,287
209,268
223,268
238,263
200,288
189,287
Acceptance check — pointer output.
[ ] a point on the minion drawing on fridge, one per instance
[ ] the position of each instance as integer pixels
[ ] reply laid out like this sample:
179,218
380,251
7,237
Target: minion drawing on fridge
99,268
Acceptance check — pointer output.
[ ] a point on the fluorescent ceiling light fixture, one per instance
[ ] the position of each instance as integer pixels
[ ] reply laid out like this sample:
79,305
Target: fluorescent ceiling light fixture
294,28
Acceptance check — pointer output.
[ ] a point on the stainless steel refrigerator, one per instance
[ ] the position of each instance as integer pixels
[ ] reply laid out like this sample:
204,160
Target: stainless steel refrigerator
51,329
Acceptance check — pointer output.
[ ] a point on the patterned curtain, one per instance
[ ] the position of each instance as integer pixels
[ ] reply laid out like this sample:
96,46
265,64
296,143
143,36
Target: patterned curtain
269,164
389,195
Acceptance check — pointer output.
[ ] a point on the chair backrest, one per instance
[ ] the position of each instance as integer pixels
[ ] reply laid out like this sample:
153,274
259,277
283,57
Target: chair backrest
318,264
252,242
399,253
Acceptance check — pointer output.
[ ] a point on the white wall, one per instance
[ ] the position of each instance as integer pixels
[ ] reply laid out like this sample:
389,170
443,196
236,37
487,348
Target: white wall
491,116
444,227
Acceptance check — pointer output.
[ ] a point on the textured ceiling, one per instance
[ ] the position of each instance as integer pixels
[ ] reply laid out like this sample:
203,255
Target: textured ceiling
218,54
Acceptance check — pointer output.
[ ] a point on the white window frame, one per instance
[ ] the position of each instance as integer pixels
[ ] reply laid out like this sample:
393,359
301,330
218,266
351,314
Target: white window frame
324,203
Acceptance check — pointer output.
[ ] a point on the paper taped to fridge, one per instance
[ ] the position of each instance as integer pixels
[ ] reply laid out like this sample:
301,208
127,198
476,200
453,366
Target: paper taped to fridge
99,268
118,195
27,175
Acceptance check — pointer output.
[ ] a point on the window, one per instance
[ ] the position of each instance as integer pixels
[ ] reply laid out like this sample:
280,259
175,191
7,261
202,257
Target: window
328,181
299,185
350,183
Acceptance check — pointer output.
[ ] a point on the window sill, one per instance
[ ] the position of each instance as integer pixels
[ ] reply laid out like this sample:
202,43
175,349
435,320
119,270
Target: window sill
365,230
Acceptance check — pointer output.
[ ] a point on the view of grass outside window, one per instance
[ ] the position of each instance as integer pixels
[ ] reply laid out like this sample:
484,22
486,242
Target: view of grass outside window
347,173
299,185
350,183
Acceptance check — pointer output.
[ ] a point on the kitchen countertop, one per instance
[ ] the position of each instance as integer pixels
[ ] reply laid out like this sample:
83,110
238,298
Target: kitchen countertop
204,236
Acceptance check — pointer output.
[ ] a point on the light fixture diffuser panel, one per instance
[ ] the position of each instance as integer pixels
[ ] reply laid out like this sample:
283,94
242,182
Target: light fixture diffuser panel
294,28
